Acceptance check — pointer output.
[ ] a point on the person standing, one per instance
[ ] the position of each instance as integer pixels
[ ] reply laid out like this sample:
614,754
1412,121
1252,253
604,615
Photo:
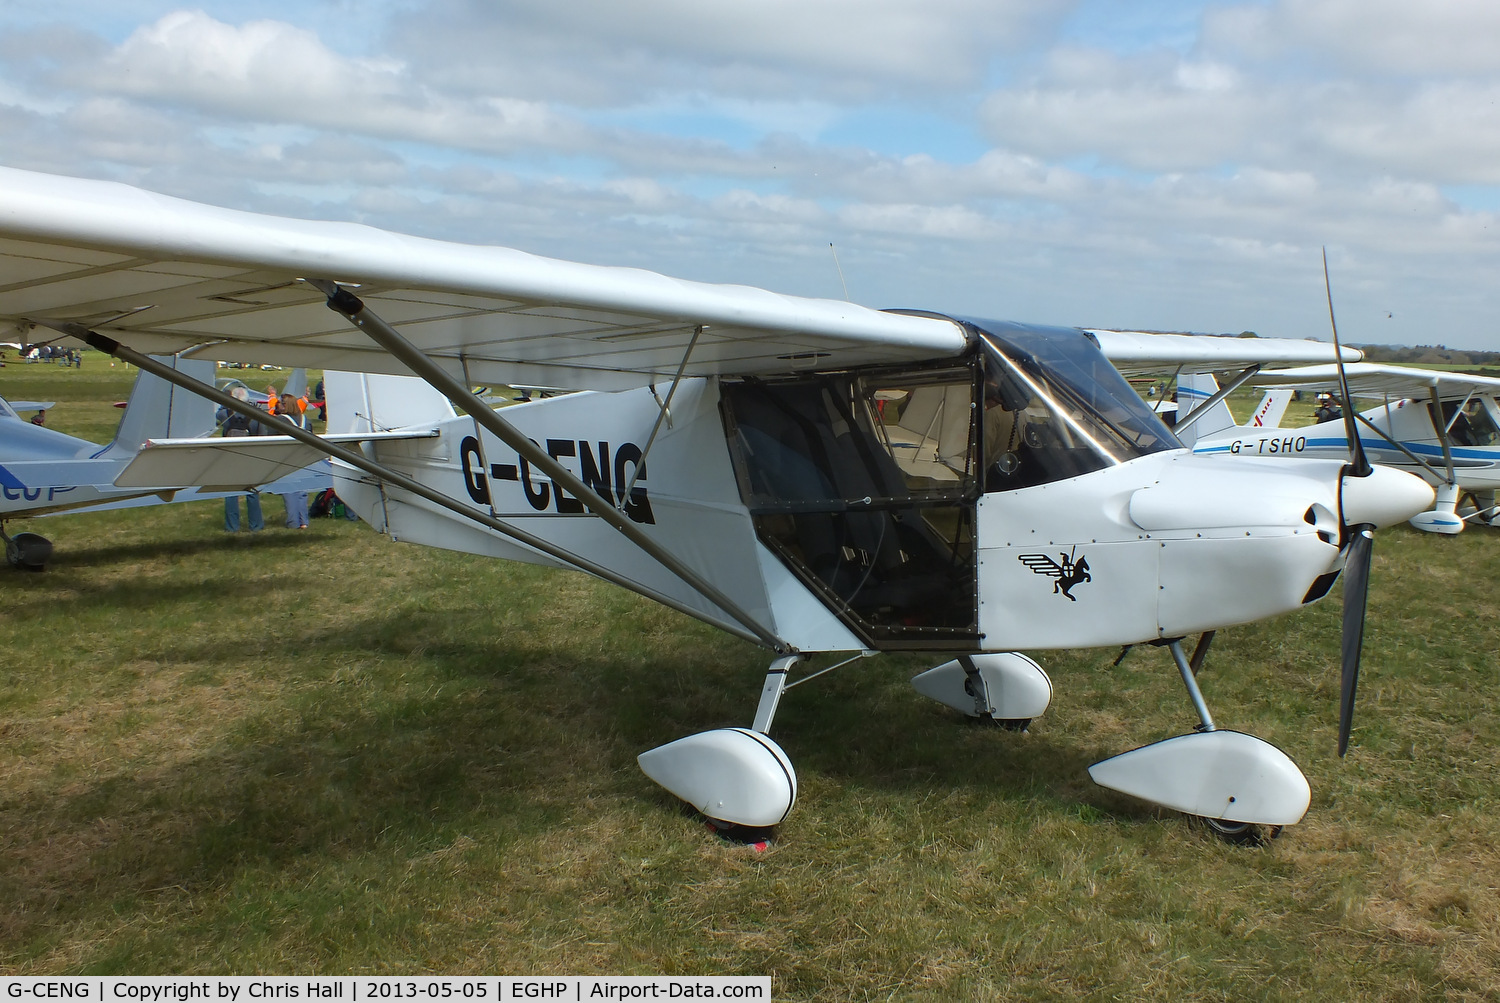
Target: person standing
236,425
292,407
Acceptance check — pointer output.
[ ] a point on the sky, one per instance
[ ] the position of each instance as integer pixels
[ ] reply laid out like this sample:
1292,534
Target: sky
1155,165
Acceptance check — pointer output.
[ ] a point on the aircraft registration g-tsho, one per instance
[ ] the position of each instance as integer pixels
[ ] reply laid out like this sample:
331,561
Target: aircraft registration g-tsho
810,475
1444,427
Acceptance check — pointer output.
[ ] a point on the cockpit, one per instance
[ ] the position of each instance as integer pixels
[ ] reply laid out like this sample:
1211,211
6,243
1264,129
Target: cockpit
864,482
1475,422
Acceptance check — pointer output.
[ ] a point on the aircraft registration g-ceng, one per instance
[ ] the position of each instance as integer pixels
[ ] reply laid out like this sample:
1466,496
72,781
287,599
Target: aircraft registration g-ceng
811,475
1443,426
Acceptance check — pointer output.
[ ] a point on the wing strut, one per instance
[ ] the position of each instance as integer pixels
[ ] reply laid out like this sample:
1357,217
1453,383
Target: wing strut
358,460
1442,430
1419,461
1229,388
665,411
342,301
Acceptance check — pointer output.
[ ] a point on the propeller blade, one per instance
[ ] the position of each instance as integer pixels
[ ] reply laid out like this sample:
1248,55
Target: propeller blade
1351,428
1356,592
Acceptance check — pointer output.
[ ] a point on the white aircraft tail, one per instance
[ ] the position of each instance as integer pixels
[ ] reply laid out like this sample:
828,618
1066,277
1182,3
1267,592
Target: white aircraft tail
159,410
1192,390
296,384
369,402
1271,408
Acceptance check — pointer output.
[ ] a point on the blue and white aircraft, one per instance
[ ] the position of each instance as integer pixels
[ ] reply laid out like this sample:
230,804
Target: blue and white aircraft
1443,426
47,472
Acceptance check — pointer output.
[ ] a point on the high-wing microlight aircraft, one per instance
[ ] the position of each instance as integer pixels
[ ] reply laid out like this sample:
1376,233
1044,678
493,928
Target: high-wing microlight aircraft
1443,426
810,475
46,472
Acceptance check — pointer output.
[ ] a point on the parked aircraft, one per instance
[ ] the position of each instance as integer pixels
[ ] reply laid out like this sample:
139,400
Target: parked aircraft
46,472
810,475
1442,426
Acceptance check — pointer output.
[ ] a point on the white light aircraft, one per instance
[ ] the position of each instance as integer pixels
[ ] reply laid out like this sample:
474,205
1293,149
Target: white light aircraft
1442,426
811,475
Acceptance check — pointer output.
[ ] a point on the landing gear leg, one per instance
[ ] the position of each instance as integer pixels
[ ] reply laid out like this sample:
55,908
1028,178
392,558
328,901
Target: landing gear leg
1483,504
977,687
770,693
1190,680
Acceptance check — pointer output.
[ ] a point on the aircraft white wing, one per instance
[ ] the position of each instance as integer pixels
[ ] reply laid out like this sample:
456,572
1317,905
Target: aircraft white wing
163,275
1135,352
1369,379
231,464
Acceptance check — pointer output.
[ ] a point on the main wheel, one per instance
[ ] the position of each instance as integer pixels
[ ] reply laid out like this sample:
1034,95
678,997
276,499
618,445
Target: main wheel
1003,723
28,551
1240,833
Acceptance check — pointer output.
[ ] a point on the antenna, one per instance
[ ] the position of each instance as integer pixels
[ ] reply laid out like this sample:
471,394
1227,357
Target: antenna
841,270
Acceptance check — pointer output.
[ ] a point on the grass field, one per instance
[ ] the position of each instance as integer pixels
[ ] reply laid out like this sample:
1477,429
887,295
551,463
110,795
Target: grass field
323,752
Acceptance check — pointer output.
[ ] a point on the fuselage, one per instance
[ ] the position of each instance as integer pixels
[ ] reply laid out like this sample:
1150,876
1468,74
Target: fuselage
1021,496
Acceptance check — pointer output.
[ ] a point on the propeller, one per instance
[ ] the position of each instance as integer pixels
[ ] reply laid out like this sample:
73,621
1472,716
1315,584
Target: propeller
1356,589
1358,551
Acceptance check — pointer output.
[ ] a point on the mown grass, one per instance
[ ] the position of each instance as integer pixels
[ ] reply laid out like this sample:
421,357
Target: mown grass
321,752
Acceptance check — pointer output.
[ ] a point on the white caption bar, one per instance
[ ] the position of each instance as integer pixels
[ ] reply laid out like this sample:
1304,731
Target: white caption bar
375,989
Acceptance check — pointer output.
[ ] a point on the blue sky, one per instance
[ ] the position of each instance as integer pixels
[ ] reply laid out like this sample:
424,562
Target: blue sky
1166,166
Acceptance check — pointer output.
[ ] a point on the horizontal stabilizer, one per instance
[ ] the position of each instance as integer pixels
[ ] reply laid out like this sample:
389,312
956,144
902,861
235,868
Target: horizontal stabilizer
231,464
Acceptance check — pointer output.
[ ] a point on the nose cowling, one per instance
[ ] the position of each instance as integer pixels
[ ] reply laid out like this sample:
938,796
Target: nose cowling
1384,497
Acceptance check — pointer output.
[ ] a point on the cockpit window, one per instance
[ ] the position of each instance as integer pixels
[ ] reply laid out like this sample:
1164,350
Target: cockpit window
1486,432
1473,425
1054,407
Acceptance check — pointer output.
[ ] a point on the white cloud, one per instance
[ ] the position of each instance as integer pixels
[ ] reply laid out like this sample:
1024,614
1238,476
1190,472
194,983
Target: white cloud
261,64
1163,114
1171,185
605,53
1148,114
270,71
1377,37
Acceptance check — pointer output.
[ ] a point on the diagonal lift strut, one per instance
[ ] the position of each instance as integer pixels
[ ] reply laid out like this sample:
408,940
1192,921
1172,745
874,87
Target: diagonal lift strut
342,301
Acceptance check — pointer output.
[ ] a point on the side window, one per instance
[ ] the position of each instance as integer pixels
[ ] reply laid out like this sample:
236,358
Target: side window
864,485
1485,431
1471,426
926,426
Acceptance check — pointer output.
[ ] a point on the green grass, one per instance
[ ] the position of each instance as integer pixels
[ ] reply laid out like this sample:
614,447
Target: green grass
322,752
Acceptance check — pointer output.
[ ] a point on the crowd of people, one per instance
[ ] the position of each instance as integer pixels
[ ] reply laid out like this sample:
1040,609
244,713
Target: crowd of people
284,405
50,353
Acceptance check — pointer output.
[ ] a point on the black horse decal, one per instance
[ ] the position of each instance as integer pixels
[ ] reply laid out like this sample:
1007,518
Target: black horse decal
1067,574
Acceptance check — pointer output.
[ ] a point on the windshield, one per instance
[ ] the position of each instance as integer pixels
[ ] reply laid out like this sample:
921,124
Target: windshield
1055,404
